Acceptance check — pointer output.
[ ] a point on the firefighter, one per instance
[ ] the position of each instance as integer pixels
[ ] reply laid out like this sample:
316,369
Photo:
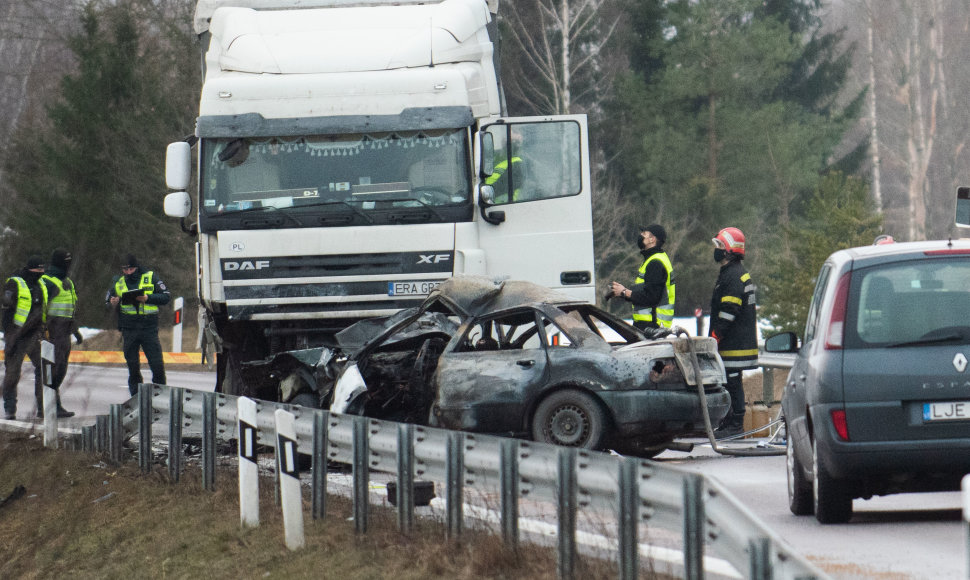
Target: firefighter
733,322
654,289
61,324
24,304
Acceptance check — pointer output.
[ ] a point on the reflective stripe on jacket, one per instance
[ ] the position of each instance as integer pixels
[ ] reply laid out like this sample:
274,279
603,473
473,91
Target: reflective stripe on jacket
63,304
25,300
734,317
145,283
665,311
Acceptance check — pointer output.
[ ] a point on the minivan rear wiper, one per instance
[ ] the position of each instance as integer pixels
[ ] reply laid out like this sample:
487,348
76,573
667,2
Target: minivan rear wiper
930,340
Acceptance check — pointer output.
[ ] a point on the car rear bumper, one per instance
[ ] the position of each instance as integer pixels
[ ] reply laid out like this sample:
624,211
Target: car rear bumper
648,412
882,459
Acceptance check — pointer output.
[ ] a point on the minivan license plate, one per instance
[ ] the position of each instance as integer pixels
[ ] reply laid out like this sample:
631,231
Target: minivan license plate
415,288
954,411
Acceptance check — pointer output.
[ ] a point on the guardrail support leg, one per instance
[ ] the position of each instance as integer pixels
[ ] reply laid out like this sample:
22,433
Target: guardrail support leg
145,427
628,519
405,477
455,475
510,492
175,433
318,494
566,477
693,527
87,438
361,475
760,551
101,434
209,441
116,435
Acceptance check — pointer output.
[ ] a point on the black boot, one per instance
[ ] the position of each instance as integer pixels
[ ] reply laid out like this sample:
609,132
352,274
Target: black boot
732,425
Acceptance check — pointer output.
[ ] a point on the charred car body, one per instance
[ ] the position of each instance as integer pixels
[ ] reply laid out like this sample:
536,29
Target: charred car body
511,358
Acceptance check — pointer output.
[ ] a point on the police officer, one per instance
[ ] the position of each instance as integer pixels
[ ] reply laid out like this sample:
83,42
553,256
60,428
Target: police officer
137,294
61,306
654,290
734,322
24,314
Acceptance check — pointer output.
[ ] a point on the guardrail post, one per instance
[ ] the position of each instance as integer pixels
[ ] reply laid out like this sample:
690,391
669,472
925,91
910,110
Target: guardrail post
455,468
291,494
209,441
566,479
87,438
101,433
48,408
760,553
405,477
965,484
175,433
628,518
248,469
509,476
361,475
321,423
115,435
693,527
145,427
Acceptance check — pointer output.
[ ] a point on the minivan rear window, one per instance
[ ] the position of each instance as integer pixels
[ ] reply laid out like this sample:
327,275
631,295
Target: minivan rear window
911,303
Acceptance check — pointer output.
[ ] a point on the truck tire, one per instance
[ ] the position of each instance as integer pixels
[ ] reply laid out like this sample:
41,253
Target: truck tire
833,503
571,419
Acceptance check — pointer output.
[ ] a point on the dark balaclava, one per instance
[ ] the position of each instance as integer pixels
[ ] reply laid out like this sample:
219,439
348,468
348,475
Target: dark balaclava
130,261
658,232
61,258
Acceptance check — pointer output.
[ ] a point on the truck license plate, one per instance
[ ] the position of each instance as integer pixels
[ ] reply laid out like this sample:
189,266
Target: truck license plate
954,411
416,288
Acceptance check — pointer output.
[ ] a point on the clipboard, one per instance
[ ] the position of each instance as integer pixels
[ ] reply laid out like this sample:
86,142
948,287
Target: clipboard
128,297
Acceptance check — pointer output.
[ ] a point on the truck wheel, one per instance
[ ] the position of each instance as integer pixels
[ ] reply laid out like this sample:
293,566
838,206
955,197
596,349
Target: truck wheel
232,383
800,493
570,419
833,504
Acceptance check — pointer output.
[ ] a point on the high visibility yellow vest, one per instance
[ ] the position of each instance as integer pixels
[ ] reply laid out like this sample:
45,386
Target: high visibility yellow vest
62,305
24,300
664,312
146,284
497,173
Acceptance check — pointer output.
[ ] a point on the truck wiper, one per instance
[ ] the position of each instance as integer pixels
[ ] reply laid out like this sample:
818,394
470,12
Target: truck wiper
337,202
423,206
261,208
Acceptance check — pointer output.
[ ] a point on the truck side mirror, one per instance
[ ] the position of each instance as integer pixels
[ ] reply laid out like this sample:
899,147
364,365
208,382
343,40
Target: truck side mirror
178,204
963,207
178,166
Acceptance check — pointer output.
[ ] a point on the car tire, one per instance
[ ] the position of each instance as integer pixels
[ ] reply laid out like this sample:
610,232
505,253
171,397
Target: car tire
800,494
570,419
305,399
833,504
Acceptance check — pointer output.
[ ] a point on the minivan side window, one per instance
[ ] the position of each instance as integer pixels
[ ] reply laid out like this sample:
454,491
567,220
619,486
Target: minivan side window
811,325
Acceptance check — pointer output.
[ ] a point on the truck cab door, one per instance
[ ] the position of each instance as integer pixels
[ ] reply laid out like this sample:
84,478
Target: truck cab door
535,203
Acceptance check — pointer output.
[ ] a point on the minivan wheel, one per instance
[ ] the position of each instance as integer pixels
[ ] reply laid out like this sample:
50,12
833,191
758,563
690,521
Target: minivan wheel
570,419
800,494
833,504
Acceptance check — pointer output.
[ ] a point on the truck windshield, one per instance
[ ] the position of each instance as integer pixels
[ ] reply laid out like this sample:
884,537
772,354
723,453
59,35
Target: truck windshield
335,180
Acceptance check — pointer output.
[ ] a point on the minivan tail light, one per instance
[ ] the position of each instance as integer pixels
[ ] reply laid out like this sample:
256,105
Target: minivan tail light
835,331
840,424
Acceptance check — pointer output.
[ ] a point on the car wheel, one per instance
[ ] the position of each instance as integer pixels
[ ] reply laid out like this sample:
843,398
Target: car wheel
310,400
833,504
800,494
571,419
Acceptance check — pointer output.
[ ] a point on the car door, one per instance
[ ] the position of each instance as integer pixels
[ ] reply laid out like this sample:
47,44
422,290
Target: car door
538,224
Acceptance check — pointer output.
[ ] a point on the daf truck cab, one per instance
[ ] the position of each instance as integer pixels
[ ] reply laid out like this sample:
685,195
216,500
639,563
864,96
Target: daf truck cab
349,156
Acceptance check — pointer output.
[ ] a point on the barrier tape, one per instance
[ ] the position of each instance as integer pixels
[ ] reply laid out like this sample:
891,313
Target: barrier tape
110,356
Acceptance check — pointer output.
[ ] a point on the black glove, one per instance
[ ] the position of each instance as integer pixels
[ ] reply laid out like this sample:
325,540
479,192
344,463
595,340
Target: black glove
77,336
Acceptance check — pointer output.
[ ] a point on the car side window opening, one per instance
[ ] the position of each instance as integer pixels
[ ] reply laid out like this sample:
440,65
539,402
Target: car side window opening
910,301
515,331
535,161
814,309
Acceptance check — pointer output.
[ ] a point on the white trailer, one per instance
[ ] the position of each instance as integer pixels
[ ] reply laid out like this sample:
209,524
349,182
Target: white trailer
350,156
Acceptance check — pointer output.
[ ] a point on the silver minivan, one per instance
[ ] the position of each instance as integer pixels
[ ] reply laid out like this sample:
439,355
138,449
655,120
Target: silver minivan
878,399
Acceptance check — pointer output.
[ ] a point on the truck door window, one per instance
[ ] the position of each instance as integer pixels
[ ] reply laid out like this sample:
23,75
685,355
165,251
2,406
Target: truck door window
535,161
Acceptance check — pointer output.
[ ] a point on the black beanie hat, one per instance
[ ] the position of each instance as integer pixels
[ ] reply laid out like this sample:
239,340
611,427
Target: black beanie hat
129,262
35,262
658,232
61,258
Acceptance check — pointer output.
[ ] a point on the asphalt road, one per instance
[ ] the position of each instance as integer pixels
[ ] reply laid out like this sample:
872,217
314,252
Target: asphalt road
898,537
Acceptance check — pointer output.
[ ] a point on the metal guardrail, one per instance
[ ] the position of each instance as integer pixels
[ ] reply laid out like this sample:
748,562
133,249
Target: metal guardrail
579,482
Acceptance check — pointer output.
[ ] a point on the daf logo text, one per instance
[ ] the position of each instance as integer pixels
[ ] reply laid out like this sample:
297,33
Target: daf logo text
246,265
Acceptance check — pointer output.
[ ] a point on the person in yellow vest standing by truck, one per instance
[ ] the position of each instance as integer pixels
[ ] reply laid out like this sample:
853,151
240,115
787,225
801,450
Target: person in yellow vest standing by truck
137,294
61,324
24,303
654,291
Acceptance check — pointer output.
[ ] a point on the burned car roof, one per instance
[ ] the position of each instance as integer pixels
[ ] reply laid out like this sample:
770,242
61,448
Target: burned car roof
475,295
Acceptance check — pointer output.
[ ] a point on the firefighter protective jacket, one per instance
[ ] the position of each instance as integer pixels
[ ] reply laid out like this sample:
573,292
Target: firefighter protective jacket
734,317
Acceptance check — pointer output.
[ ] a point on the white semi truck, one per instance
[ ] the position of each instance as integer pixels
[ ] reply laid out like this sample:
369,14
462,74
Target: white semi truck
351,155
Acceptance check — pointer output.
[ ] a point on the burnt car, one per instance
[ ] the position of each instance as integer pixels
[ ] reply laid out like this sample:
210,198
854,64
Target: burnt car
514,358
